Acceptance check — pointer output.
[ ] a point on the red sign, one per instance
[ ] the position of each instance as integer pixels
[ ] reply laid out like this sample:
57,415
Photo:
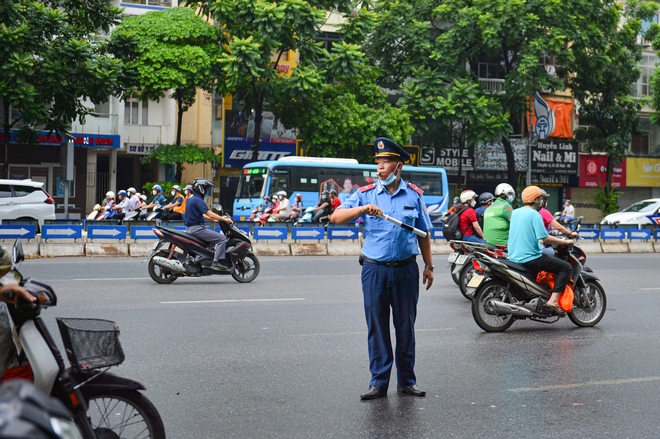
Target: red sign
593,172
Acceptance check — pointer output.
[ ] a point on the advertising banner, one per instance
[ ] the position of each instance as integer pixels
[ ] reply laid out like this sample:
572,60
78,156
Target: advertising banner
644,172
448,158
491,156
110,141
593,172
550,118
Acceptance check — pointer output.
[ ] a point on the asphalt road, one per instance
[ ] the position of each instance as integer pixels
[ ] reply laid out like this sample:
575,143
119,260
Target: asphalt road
286,357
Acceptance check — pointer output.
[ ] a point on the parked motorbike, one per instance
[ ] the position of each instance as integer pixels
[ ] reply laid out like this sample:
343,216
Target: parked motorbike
507,292
28,413
187,255
103,405
462,269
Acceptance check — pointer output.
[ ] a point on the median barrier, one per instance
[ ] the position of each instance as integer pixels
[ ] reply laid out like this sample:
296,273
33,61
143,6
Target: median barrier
590,247
309,249
271,249
106,240
615,247
641,247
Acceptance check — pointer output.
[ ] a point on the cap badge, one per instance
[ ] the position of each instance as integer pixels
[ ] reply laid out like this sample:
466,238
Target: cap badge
380,144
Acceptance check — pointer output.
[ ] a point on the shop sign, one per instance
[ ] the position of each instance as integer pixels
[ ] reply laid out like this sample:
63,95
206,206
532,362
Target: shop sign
449,158
593,172
491,156
110,141
555,156
140,149
644,172
553,179
238,151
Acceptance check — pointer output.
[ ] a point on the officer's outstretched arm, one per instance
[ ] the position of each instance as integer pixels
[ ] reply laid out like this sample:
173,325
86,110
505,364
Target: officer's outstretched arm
344,215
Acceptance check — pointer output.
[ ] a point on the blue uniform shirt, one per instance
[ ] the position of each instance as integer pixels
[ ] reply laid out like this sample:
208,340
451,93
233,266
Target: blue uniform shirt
385,241
195,208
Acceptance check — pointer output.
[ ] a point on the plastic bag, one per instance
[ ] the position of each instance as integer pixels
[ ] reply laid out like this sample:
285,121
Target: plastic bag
566,298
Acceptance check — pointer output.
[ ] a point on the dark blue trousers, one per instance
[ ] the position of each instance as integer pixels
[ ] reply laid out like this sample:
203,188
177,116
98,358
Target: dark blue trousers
395,288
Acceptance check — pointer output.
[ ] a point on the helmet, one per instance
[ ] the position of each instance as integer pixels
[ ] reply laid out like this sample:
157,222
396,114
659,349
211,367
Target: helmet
131,190
325,192
299,196
334,192
504,189
283,193
157,187
121,193
485,198
467,196
177,188
568,201
110,194
5,260
201,184
531,193
143,197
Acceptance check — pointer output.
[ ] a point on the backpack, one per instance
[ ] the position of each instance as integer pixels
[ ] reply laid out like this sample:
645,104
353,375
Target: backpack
450,227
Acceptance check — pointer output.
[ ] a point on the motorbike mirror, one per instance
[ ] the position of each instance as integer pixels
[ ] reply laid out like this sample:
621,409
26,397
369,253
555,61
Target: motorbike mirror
17,254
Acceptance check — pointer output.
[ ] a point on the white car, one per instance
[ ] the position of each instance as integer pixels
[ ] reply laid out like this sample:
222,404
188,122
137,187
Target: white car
637,214
25,199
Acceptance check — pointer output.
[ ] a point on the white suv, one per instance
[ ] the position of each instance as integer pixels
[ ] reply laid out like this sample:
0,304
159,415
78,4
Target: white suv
25,199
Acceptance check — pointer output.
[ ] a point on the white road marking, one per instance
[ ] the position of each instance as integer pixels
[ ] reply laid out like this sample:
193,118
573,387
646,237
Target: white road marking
234,300
585,384
102,278
325,334
649,289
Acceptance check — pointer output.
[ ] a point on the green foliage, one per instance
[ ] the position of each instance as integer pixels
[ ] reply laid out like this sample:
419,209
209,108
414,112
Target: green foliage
52,59
607,201
166,185
175,154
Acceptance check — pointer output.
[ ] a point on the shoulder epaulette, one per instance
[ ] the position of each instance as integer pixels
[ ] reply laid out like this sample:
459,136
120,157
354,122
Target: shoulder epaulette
416,189
367,187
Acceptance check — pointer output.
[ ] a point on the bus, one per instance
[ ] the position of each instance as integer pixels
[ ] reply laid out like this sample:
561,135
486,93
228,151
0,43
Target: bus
310,176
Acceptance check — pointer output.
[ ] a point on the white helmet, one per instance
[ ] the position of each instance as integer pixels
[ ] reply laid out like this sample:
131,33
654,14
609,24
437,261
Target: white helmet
131,190
110,194
467,196
504,189
282,193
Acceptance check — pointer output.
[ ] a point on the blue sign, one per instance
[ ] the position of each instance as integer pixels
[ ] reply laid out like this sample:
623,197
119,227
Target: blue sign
61,232
613,234
308,233
589,233
244,229
143,232
343,233
80,140
436,233
16,231
642,234
656,234
106,232
270,233
238,151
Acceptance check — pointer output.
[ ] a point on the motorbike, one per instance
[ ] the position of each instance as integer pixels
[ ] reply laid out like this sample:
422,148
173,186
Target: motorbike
187,256
460,259
506,292
103,405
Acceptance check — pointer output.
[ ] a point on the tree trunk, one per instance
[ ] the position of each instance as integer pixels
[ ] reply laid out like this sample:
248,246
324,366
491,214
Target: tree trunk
178,173
510,162
6,129
258,102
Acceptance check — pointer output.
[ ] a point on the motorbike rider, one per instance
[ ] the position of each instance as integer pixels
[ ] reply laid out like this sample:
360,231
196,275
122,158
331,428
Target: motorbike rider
323,208
550,222
123,206
284,208
296,207
498,215
134,198
197,212
467,222
525,233
485,200
159,198
177,206
335,202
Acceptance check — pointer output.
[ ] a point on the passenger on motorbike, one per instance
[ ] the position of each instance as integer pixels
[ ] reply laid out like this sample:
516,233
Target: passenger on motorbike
159,198
526,231
498,215
296,208
550,223
485,200
335,202
467,219
123,206
197,212
284,208
323,208
134,198
177,206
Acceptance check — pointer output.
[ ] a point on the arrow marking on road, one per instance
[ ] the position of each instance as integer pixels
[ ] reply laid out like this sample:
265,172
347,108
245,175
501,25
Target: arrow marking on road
106,232
65,232
20,231
275,233
585,384
234,300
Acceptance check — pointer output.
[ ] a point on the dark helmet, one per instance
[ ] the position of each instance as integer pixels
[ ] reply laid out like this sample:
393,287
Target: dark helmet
325,192
333,192
485,198
200,185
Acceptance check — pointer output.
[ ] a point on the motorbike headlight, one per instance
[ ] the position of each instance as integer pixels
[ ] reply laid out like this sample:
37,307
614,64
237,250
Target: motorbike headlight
65,428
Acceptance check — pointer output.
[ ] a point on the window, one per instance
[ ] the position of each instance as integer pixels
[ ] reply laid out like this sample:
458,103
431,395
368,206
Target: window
640,144
5,191
102,110
132,112
217,106
328,39
641,87
22,191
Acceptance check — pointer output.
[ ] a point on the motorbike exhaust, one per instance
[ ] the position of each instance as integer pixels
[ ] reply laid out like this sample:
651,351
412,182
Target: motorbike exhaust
170,264
509,308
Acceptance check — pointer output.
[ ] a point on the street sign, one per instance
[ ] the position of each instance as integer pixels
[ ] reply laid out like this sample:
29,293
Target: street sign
270,233
61,232
143,232
307,233
639,234
436,233
589,233
656,234
613,234
343,233
106,232
244,229
14,231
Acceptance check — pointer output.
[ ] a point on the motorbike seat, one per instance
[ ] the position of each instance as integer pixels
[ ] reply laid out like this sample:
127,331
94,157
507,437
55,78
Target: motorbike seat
518,267
185,235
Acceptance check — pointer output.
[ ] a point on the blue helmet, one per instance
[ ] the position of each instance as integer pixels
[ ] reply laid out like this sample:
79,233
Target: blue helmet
122,192
157,187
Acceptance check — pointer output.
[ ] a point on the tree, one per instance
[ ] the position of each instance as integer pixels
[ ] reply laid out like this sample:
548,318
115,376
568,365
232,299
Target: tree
175,50
179,154
52,60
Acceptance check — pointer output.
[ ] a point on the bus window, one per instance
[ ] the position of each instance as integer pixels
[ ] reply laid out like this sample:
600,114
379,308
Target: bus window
249,186
280,181
431,184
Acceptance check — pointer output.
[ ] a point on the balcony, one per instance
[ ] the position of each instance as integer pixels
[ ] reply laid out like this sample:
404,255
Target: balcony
99,124
147,134
492,85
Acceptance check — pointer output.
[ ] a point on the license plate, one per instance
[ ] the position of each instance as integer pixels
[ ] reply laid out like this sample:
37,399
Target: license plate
452,257
475,281
461,259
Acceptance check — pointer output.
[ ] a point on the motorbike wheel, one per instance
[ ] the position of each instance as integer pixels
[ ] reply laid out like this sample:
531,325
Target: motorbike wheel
589,305
124,414
464,279
160,274
482,311
246,269
455,277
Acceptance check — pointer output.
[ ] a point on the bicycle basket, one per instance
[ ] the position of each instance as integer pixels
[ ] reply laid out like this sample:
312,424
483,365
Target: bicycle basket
91,343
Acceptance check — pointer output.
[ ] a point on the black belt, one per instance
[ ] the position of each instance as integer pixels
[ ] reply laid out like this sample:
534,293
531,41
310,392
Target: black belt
408,261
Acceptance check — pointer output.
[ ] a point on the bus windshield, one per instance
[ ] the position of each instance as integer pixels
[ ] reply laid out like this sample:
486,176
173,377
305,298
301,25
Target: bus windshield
251,183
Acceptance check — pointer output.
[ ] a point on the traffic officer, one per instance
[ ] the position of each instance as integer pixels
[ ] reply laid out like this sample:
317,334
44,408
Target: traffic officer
390,275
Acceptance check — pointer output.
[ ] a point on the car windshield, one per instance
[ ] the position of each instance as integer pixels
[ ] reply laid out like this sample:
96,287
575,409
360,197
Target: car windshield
643,206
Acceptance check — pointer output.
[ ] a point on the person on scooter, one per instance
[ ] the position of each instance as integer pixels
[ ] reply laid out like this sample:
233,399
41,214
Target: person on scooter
467,219
284,208
322,210
197,212
485,200
158,200
177,206
296,208
335,202
123,206
568,213
134,199
498,215
550,223
526,231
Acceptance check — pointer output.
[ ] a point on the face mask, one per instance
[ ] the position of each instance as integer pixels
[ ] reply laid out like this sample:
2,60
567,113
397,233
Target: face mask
173,193
510,198
389,180
154,192
473,203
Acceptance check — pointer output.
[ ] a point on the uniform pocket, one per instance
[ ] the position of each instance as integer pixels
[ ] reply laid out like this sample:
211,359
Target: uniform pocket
410,217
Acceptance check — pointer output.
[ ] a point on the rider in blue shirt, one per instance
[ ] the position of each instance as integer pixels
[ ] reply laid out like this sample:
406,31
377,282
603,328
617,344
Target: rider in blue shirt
159,198
390,275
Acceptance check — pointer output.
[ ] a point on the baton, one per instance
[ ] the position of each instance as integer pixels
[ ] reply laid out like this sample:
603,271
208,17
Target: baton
415,230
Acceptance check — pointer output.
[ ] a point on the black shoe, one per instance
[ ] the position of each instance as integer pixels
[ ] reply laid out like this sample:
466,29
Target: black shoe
218,266
374,393
411,390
